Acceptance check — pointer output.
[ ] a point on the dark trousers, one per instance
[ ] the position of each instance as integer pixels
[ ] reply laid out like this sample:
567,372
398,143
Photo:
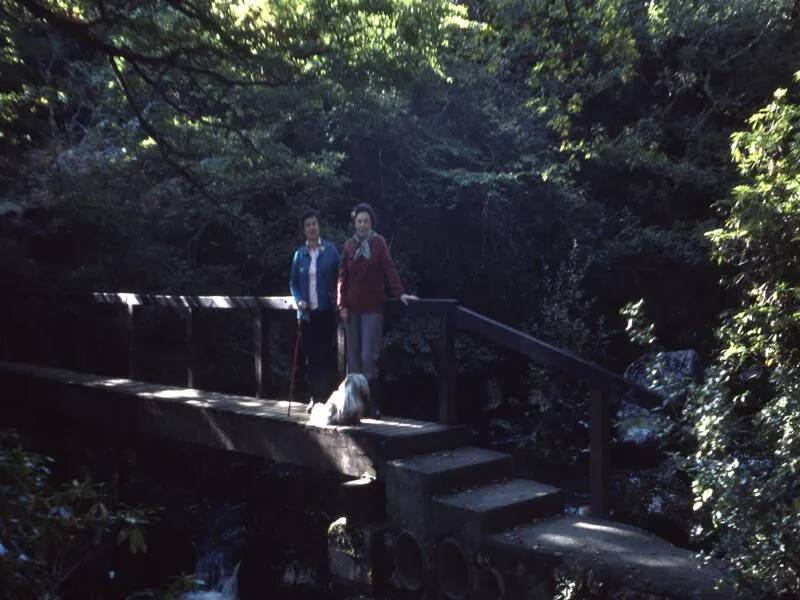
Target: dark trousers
318,353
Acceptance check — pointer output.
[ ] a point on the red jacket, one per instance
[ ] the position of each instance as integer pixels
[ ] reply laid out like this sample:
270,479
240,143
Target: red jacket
362,282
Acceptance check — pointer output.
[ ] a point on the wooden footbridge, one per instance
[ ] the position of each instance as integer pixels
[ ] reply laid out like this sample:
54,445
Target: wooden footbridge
437,487
254,425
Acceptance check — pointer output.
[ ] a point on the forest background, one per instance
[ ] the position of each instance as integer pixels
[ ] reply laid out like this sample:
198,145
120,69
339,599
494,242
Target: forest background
546,162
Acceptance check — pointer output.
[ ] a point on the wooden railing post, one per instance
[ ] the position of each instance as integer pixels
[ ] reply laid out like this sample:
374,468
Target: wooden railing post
190,353
600,476
448,367
260,348
130,334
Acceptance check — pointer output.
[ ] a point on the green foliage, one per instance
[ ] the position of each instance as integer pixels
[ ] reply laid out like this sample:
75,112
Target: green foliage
639,328
565,309
639,101
748,412
229,118
49,531
574,51
573,583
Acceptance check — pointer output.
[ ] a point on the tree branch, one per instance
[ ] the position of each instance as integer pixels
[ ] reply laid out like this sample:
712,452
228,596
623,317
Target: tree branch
183,58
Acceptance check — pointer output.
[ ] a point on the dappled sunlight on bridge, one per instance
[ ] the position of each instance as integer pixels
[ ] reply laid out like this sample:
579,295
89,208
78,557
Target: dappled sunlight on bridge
260,427
609,528
179,393
390,423
614,552
660,560
250,403
114,382
575,540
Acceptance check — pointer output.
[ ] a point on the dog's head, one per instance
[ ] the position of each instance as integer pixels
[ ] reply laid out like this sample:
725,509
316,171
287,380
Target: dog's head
356,389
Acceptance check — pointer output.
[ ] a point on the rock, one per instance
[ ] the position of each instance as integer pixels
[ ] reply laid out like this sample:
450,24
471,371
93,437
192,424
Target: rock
578,510
658,500
643,434
639,433
295,574
540,401
668,373
500,429
638,425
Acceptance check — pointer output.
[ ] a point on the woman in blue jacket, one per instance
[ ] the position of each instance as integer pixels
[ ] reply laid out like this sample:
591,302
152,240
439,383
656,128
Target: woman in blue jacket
315,269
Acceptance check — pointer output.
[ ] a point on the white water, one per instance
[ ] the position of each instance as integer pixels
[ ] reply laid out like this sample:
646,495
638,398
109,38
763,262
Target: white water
222,587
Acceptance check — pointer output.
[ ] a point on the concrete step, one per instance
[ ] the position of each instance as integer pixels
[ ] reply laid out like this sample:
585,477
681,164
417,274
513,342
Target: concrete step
411,482
621,556
497,506
449,470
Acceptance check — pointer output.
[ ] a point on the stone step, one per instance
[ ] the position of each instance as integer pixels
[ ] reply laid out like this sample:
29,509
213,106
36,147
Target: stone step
449,470
621,556
411,482
497,506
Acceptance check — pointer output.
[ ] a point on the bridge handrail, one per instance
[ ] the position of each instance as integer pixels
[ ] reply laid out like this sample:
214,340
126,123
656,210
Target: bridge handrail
204,302
553,357
467,320
453,318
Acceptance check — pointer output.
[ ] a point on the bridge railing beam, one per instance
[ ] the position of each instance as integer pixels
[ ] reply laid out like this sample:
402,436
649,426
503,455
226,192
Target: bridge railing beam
453,318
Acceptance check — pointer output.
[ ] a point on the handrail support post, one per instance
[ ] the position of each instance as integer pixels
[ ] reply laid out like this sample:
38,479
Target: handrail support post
130,334
190,352
260,346
448,369
600,459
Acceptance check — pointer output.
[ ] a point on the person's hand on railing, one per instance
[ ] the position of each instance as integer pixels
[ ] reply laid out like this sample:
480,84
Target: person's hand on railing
302,305
406,298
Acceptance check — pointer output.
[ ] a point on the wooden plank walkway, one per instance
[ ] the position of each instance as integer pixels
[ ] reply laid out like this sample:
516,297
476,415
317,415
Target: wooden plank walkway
124,408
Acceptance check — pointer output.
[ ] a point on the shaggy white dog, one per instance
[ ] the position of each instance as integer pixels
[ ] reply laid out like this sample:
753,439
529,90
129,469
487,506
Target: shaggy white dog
346,405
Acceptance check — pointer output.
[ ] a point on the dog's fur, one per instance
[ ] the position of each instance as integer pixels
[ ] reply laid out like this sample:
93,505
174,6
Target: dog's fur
346,405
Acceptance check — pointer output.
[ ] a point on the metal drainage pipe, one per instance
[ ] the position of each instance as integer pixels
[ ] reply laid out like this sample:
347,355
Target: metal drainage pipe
489,585
453,569
409,561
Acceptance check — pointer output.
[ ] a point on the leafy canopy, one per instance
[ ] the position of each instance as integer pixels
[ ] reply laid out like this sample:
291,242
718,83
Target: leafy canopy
748,413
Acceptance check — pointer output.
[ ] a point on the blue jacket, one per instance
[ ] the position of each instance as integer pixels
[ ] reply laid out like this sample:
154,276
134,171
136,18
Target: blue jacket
327,275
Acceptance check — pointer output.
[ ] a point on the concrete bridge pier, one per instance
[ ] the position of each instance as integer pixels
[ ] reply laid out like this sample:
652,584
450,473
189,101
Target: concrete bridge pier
358,560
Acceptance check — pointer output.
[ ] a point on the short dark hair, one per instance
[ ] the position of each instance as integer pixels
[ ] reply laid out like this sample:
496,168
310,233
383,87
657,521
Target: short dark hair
363,207
307,214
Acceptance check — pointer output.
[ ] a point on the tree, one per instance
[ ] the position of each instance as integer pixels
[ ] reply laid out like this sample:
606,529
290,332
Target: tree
229,118
748,412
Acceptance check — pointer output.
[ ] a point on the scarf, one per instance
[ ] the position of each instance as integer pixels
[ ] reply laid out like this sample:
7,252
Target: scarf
363,250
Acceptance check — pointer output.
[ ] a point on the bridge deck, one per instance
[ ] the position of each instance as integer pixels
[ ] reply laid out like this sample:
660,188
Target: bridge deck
125,408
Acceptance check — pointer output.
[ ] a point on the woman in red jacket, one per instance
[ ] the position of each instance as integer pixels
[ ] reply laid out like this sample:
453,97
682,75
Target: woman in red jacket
365,268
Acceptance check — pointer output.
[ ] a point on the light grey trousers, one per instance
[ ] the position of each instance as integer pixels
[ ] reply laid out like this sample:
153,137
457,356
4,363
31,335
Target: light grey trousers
364,332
